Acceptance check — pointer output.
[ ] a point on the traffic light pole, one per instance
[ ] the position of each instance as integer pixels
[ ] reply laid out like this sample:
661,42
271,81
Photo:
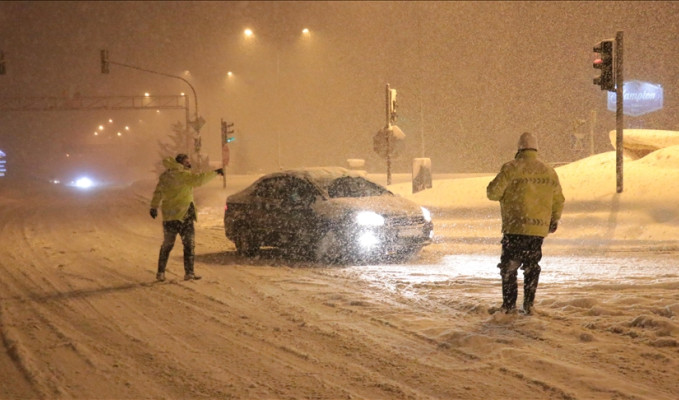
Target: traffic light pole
618,110
105,63
388,103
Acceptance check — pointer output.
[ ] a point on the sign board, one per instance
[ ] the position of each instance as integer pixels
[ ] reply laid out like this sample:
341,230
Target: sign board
421,174
639,98
197,124
389,142
226,154
3,165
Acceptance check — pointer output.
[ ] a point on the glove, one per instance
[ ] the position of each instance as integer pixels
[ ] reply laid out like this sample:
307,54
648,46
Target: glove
220,171
552,226
154,213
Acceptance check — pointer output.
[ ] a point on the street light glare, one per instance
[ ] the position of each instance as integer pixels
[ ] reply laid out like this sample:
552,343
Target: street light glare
101,127
147,94
248,32
229,73
306,31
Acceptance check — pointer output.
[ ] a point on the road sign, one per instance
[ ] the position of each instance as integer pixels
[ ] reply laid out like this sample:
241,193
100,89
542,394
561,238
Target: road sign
638,97
389,142
197,124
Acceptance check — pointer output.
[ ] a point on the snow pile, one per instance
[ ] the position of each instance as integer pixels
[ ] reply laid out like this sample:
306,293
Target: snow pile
645,210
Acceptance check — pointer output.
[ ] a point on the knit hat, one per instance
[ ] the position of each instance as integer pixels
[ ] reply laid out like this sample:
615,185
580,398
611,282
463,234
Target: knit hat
528,141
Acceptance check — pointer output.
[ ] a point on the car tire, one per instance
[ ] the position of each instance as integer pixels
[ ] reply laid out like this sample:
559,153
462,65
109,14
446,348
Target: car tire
328,248
246,245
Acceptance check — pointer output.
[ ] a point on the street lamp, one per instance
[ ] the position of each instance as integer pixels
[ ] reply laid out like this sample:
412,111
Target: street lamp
249,34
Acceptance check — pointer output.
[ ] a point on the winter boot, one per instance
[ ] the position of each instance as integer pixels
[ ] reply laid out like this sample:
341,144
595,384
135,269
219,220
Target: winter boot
160,276
191,277
531,276
509,286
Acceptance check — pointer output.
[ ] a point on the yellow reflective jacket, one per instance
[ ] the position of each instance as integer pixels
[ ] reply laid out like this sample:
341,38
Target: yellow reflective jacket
175,189
529,193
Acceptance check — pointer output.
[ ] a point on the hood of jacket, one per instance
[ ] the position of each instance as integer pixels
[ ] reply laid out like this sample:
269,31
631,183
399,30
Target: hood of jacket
172,164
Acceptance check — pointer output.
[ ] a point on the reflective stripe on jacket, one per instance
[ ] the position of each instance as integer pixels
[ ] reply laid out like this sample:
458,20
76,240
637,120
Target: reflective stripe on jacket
174,190
529,193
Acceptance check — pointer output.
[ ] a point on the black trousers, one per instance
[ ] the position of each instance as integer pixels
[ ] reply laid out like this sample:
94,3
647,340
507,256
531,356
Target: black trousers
187,232
525,252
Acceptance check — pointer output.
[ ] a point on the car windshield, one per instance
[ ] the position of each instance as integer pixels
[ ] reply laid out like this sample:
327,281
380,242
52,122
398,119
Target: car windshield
348,186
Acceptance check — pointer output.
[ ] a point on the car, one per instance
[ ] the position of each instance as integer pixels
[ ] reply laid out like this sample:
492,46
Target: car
331,214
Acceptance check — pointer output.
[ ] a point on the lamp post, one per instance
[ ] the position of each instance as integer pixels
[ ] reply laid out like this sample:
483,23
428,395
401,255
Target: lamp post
196,124
249,35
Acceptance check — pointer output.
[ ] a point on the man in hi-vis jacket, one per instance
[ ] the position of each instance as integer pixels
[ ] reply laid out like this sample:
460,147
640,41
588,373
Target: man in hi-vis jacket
174,194
531,202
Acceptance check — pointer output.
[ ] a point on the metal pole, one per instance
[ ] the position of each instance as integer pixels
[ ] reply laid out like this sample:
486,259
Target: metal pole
592,123
278,89
388,126
188,118
618,110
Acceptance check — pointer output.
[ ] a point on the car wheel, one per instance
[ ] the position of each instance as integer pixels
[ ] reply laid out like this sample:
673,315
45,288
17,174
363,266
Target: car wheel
246,245
328,247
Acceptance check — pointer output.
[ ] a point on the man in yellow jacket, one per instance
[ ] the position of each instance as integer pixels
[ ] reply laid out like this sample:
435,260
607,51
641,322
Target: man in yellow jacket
174,192
531,202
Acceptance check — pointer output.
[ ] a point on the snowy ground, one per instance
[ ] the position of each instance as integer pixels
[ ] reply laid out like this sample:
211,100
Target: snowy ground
81,315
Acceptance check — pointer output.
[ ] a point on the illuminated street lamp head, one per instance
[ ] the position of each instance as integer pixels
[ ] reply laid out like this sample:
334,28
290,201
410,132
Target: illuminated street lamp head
146,94
229,74
248,32
101,127
306,32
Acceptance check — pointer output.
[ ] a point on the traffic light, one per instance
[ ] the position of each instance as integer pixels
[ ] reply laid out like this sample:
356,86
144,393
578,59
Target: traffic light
227,129
104,62
392,105
604,62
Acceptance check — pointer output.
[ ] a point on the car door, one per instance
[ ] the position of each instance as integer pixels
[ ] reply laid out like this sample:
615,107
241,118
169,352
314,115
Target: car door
264,210
295,218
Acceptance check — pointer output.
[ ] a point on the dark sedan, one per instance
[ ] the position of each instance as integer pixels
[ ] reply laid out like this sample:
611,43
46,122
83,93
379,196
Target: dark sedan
331,214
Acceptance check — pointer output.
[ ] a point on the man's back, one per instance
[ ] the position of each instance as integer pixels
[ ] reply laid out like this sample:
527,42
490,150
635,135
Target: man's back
529,193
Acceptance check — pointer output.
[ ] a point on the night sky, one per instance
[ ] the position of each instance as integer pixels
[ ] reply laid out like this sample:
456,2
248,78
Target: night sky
470,77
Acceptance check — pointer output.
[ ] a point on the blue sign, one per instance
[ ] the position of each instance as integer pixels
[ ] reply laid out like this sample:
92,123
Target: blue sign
638,98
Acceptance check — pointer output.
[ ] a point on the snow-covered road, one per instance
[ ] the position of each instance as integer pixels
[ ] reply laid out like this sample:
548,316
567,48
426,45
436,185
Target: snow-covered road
82,317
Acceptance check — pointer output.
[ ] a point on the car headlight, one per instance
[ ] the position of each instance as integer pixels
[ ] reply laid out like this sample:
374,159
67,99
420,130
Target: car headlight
83,183
426,214
369,218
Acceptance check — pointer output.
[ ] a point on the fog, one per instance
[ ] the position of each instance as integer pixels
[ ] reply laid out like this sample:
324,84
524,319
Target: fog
470,77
